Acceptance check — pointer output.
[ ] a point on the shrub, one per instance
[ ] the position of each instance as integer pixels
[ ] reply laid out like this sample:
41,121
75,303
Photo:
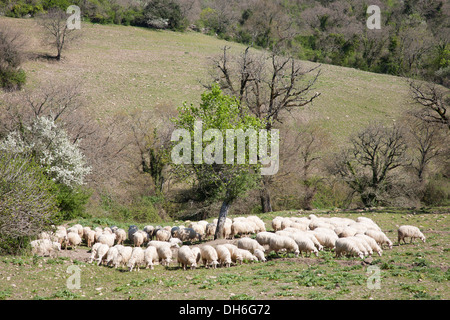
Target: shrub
27,203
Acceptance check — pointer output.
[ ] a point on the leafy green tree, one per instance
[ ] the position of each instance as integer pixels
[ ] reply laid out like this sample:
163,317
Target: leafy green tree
224,181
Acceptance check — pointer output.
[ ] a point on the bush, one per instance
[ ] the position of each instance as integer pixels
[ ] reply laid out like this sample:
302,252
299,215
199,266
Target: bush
162,14
72,202
141,210
437,192
11,79
27,202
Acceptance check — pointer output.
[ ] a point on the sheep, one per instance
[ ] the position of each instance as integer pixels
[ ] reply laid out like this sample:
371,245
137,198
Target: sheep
111,255
150,231
89,237
136,259
157,244
199,228
249,244
101,252
61,236
276,223
123,256
174,231
162,235
240,228
197,254
326,240
236,257
246,255
94,251
348,246
362,245
150,257
304,243
224,255
263,238
175,242
282,242
44,247
73,240
186,258
107,239
131,231
227,229
407,231
379,237
260,226
121,235
165,255
372,243
260,255
138,239
210,230
209,256
189,234
346,232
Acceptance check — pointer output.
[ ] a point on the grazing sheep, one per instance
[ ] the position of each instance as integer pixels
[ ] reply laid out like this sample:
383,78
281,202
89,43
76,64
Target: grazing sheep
372,243
44,247
138,239
175,242
246,255
347,246
240,228
325,239
260,226
197,254
136,259
94,251
210,230
101,253
123,256
131,231
186,258
282,242
150,231
73,240
89,237
249,244
150,257
111,255
346,232
379,237
276,223
263,238
362,245
107,239
157,244
209,256
407,231
165,255
236,257
163,235
224,255
189,234
121,235
304,243
260,255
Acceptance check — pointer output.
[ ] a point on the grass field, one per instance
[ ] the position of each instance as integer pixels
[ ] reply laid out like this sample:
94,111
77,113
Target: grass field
411,271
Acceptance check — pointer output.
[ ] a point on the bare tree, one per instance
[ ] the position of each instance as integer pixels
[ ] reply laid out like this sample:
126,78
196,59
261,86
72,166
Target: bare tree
271,86
433,102
57,32
366,166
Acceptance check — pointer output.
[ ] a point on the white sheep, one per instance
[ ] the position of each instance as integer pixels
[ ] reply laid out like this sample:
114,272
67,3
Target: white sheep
101,253
327,240
260,255
165,255
278,243
276,223
362,245
197,254
157,244
111,255
236,257
249,244
209,256
123,257
188,234
304,243
246,255
136,259
107,238
379,237
407,231
263,238
347,246
186,258
121,235
260,225
346,232
163,235
44,247
224,255
372,243
73,240
150,257
210,230
138,239
240,228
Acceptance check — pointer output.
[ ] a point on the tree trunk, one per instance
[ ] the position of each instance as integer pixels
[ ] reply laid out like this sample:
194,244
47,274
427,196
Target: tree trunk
222,217
264,195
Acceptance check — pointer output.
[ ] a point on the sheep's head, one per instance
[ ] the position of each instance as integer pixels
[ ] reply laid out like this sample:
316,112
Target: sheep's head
380,252
423,238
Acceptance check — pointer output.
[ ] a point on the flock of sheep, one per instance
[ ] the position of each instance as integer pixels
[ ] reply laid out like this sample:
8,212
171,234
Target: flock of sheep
361,237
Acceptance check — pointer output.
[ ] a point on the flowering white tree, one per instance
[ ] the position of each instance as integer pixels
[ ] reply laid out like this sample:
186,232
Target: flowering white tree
52,148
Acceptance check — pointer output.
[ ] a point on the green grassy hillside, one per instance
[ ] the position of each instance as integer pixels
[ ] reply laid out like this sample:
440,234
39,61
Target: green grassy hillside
127,67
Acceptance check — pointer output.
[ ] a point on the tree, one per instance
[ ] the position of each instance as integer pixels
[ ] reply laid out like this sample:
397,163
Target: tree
269,86
27,203
57,32
12,77
433,102
366,166
162,14
218,179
